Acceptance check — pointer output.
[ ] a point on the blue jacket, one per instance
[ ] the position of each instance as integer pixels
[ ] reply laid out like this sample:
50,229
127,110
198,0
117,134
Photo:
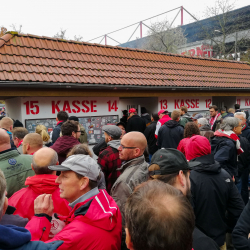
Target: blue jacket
56,132
18,238
225,152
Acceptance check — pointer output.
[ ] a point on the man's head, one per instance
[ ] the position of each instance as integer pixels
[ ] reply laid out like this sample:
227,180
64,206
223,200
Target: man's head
237,106
43,158
31,143
62,116
196,117
158,216
231,123
162,112
183,110
170,166
154,117
17,124
223,110
79,174
213,110
71,128
7,123
176,115
241,116
122,126
132,112
133,145
18,134
3,198
231,110
202,122
197,146
111,132
4,140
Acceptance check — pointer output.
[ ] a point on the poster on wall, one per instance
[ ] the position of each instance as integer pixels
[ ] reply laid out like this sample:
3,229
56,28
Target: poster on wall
92,124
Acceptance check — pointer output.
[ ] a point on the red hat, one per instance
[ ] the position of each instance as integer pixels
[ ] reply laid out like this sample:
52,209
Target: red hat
132,110
197,146
162,111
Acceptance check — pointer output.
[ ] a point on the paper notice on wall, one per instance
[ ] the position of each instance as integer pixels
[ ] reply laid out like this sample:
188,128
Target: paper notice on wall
97,132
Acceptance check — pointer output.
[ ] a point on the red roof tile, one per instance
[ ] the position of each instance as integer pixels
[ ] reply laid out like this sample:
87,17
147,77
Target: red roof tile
43,59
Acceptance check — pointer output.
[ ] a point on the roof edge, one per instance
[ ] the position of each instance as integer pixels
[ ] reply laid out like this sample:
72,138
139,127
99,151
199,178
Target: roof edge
6,37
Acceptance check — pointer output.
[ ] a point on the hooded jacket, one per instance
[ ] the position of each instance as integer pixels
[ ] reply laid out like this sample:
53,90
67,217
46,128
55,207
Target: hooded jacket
135,123
63,145
214,194
206,132
185,119
182,145
109,161
147,119
170,135
162,121
95,223
18,238
150,136
225,152
56,131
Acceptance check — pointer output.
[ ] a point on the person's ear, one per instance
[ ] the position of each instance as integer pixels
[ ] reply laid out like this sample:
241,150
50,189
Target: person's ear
5,205
137,151
128,240
28,146
32,166
84,182
11,127
181,178
57,119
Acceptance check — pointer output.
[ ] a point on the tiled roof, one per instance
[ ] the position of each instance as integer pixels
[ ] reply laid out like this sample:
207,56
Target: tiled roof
29,58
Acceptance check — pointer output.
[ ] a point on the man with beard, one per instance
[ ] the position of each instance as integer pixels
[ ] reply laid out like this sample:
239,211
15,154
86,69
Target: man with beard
171,167
216,200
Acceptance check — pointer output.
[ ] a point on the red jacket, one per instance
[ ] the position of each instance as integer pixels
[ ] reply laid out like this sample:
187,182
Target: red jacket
93,224
23,200
63,145
182,145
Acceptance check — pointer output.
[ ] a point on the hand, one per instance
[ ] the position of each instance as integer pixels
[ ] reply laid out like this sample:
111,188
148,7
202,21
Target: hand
43,204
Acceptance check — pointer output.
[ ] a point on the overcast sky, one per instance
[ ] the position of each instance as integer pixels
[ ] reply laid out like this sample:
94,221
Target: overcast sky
94,18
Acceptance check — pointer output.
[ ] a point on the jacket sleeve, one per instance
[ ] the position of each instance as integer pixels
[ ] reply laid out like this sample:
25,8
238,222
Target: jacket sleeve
159,138
158,126
241,230
39,228
147,132
235,207
102,144
56,134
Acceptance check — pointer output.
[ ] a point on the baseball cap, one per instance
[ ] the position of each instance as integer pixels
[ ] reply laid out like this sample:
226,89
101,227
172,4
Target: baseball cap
81,164
170,161
132,110
112,130
162,111
73,118
197,116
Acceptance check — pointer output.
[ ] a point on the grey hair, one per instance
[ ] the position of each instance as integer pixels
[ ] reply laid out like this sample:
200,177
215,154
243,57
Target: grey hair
2,192
240,113
229,123
202,121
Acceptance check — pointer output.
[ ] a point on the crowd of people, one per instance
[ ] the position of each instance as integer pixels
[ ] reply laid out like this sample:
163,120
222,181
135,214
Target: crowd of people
169,181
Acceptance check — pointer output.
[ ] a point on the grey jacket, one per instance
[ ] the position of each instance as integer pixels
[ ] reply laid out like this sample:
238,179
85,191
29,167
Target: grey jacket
134,172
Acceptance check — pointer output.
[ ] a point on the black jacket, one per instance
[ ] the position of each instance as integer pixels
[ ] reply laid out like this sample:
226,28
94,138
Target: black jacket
203,242
150,136
246,133
56,132
242,230
99,146
170,134
244,158
147,119
225,152
214,194
135,123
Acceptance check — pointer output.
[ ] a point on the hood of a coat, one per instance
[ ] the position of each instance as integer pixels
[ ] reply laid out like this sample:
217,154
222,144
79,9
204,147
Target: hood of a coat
114,144
13,236
205,128
99,211
64,144
207,164
172,124
44,183
187,116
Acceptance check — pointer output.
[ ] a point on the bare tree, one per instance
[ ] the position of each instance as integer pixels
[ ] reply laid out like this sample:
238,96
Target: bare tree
16,28
3,30
162,37
78,38
61,34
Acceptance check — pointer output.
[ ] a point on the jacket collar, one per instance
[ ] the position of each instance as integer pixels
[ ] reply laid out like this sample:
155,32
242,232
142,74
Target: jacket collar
12,152
132,162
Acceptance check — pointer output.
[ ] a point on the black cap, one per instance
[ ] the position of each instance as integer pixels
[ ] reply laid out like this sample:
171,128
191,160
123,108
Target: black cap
170,161
73,118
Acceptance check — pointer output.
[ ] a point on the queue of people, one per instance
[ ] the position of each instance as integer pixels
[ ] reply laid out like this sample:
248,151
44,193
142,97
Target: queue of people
172,181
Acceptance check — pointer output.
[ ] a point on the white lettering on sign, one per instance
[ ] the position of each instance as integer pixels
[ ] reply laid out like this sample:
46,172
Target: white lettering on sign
192,103
243,101
48,107
204,50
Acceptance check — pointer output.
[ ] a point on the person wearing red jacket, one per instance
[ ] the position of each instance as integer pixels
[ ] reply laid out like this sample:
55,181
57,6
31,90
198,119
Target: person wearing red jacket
95,220
42,182
163,117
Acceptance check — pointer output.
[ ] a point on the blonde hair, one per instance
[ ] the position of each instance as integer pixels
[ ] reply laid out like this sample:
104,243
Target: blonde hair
42,130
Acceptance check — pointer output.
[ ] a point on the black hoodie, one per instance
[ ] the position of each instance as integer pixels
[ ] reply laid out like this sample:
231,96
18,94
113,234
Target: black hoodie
170,134
214,194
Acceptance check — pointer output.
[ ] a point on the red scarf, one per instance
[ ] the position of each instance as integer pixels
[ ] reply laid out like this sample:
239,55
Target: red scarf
19,143
59,122
213,120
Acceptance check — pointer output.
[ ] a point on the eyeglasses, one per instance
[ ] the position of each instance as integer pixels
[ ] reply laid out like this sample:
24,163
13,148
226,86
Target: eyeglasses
127,147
